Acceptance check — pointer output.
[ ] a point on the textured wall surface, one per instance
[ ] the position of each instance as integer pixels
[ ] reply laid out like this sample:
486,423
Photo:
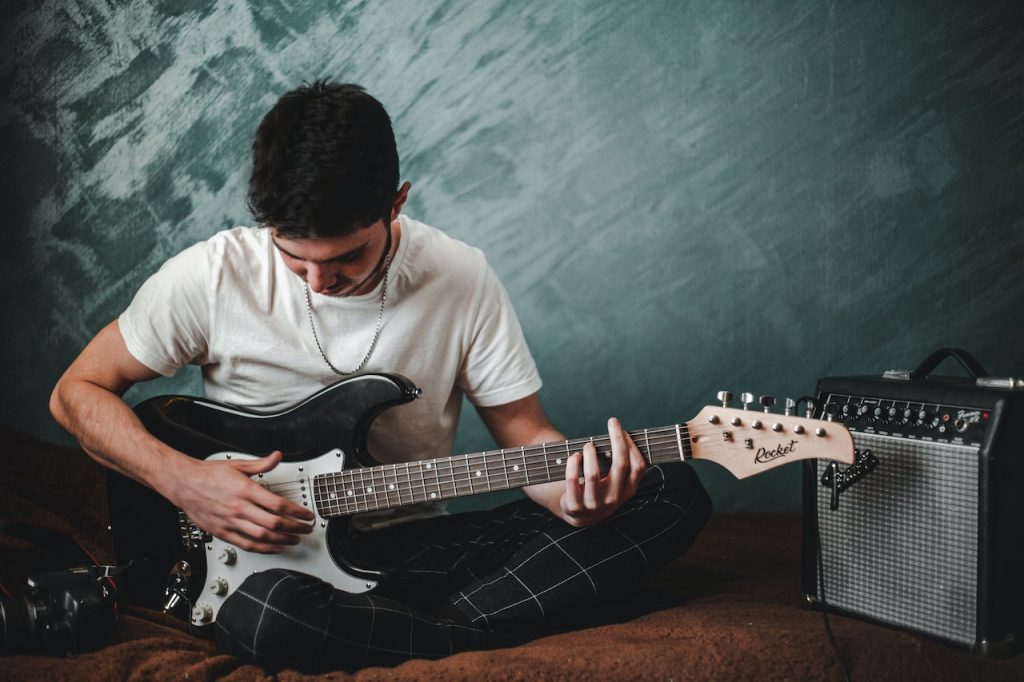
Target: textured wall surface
679,196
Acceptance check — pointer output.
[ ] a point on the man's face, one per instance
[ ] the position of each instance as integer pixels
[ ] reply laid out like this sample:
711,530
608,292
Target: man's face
347,265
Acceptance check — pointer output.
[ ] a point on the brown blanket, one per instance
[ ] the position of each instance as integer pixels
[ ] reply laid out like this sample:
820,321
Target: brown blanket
730,609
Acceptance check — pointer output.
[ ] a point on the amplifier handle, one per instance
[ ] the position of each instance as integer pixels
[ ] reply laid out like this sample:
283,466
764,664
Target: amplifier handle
965,359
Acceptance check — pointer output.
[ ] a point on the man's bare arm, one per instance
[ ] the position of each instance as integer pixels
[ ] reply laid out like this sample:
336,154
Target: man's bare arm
219,496
584,497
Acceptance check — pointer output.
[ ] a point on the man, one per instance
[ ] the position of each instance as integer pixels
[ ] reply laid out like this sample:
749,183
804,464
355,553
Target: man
336,281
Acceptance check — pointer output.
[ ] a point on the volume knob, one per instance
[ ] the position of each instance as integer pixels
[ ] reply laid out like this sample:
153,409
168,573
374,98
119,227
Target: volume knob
227,556
202,613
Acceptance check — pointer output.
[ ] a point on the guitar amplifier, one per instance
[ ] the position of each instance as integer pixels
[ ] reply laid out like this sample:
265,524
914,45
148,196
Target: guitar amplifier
932,539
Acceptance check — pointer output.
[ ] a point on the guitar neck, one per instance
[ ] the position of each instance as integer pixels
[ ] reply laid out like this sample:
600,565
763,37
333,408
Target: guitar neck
354,491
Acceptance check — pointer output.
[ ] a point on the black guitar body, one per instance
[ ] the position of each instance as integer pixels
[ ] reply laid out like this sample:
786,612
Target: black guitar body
148,530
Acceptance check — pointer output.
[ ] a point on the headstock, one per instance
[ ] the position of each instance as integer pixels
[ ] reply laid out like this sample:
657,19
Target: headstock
747,442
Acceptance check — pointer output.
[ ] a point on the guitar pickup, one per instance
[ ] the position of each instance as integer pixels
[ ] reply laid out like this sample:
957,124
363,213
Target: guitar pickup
192,536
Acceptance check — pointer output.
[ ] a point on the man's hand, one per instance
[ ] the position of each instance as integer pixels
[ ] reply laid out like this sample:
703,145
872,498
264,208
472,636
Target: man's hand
597,496
222,499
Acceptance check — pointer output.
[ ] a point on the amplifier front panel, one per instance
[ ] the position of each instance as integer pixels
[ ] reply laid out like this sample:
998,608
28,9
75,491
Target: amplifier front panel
903,546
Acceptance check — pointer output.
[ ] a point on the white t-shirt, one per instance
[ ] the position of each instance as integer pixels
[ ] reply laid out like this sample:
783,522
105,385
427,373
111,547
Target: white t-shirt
231,305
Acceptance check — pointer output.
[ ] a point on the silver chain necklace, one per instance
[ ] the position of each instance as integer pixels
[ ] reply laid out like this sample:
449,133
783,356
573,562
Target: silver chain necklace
376,331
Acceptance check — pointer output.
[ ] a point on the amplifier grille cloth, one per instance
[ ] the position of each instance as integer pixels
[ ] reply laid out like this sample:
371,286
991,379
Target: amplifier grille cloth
903,546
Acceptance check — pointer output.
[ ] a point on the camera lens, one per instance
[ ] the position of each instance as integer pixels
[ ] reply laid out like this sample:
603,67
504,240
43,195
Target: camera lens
17,624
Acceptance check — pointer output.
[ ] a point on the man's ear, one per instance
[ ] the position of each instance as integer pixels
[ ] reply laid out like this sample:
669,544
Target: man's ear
403,194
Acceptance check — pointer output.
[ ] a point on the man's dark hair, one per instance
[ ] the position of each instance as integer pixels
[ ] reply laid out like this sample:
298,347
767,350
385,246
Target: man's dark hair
324,162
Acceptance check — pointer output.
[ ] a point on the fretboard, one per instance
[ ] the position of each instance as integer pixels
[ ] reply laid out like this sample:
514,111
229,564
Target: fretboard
353,491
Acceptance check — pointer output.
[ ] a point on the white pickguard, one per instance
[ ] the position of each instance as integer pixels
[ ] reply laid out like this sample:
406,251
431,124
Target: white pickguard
227,566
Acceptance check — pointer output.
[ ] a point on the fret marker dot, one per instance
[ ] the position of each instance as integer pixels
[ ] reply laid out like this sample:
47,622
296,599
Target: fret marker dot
478,473
333,495
515,468
349,493
369,490
429,465
558,461
391,487
433,494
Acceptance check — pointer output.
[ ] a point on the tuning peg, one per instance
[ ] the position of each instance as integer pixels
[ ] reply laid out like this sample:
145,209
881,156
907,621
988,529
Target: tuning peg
746,399
810,409
790,407
767,402
725,397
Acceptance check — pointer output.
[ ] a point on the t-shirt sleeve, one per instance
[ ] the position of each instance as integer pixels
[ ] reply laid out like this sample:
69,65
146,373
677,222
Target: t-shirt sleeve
498,368
167,324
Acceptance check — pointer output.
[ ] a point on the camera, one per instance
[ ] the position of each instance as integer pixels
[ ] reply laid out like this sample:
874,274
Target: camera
64,612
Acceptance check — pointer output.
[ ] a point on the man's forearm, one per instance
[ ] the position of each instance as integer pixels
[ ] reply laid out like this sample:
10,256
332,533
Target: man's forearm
110,432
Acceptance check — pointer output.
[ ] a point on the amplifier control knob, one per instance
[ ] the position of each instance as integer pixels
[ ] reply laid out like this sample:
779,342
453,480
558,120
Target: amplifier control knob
891,412
923,416
908,414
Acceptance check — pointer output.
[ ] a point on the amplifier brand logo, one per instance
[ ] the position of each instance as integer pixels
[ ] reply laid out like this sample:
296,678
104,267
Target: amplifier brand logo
764,455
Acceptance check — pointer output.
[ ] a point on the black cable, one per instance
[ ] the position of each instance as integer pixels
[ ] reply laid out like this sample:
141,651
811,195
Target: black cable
820,564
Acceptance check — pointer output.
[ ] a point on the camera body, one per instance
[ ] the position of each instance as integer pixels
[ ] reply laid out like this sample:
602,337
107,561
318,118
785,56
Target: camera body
64,612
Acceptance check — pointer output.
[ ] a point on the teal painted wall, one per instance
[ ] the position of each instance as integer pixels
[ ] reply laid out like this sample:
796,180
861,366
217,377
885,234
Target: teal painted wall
679,196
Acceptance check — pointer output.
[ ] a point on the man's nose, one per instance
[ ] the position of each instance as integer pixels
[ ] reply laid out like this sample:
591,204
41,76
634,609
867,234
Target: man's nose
318,278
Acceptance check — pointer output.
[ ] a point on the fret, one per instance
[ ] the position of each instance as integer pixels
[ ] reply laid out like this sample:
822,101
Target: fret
330,492
406,486
379,487
366,489
515,473
404,482
478,471
358,496
469,474
349,486
374,489
443,471
679,441
647,441
504,468
388,487
526,464
435,487
423,482
547,462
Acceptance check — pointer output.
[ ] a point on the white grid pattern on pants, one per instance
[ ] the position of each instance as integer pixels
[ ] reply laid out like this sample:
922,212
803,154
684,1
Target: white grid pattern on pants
507,569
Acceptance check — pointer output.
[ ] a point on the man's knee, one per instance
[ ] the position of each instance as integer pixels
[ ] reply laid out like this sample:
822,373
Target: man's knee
677,483
257,621
673,496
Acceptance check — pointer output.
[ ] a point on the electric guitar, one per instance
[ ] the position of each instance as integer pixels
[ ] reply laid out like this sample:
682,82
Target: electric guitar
326,467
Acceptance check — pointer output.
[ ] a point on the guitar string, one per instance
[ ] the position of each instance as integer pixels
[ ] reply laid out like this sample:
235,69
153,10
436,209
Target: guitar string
489,465
368,501
418,490
546,451
527,455
449,474
499,460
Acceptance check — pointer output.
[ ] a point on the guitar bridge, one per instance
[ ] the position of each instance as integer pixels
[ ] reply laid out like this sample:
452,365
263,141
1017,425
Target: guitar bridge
192,536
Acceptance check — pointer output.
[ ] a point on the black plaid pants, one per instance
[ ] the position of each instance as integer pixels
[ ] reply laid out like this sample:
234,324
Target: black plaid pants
457,580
